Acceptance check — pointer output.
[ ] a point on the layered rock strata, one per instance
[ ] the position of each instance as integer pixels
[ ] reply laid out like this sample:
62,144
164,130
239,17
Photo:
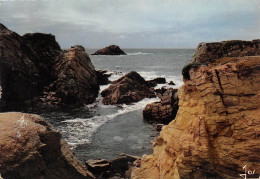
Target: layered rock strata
30,148
216,130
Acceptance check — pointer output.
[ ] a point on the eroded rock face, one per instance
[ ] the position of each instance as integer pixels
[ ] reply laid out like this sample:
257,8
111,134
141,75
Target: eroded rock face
163,111
208,52
30,148
76,81
130,88
215,132
110,50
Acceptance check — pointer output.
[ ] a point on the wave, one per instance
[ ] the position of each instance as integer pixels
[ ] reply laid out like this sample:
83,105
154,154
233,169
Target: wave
80,131
139,53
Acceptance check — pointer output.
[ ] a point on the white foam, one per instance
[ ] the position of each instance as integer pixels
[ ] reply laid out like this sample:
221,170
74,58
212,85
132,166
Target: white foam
79,131
138,53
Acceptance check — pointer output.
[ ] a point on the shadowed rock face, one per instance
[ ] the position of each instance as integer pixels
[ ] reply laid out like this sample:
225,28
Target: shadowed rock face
30,148
214,134
130,88
35,72
110,50
76,81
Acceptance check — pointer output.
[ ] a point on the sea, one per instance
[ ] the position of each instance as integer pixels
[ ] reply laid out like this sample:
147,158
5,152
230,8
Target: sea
107,131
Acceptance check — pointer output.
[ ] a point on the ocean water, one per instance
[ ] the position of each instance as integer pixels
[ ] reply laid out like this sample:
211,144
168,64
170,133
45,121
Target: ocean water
107,130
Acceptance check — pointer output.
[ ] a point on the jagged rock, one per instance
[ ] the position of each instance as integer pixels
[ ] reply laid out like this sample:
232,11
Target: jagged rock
76,82
214,134
30,148
129,88
163,111
20,78
209,52
103,77
154,82
97,166
110,50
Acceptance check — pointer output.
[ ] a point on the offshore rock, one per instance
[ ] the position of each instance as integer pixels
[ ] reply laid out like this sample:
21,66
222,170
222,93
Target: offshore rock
30,148
110,50
163,111
102,77
129,88
216,130
154,82
76,82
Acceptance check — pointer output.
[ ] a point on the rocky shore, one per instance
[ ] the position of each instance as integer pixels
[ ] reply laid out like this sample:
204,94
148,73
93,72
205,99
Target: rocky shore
215,133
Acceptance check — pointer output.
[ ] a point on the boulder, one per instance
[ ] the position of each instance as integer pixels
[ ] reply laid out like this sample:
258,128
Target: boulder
76,79
171,83
30,148
214,134
129,88
154,82
163,111
110,50
102,77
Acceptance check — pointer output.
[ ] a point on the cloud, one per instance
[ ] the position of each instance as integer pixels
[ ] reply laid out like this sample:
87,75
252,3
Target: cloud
135,23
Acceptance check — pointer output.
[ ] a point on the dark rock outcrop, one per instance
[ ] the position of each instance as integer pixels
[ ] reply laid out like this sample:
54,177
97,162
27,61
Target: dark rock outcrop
103,77
110,50
209,52
76,80
127,89
35,72
119,167
163,111
154,82
30,148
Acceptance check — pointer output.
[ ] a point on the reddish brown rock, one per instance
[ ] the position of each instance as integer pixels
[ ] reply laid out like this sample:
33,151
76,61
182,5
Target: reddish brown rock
216,130
30,148
130,88
110,50
163,111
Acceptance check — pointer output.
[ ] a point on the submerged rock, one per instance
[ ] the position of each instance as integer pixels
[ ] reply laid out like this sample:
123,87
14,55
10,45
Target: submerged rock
110,50
163,111
30,148
129,88
214,134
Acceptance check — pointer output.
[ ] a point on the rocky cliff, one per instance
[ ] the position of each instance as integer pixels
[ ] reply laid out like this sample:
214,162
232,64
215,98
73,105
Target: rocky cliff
30,148
216,130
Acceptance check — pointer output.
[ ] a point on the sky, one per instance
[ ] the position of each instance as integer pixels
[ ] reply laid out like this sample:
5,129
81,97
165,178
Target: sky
134,23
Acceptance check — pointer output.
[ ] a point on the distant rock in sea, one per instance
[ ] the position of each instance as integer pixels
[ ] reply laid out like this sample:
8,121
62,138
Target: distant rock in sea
31,148
130,88
216,130
110,50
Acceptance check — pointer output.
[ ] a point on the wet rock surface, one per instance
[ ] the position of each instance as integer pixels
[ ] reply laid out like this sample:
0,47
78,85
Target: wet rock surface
163,111
129,88
30,148
156,81
110,50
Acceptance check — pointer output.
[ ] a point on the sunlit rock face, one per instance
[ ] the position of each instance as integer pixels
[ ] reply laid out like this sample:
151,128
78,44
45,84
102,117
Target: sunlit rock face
216,130
30,148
